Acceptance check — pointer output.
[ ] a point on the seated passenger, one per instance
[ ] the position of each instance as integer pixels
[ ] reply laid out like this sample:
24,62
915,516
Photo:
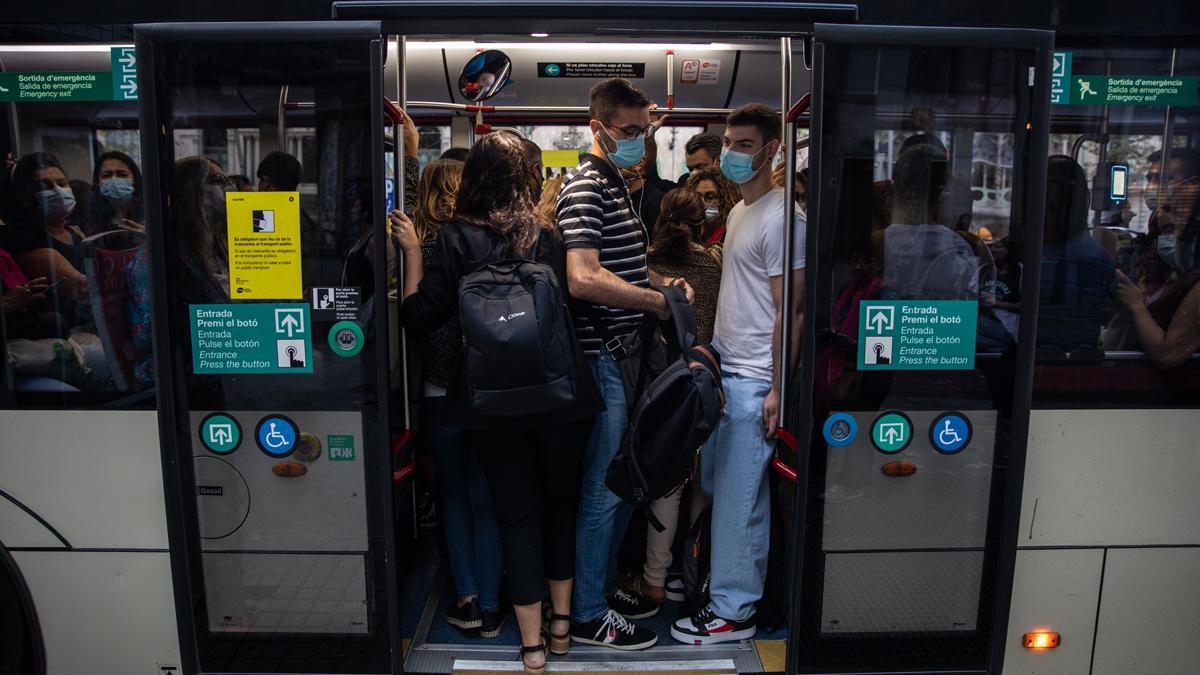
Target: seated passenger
1182,188
472,537
719,195
750,310
921,258
703,152
1077,280
117,195
532,462
39,227
198,186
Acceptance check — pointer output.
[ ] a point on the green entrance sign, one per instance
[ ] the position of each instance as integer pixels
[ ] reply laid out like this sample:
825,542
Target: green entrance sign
251,338
220,433
917,334
891,432
50,87
1060,78
1134,90
341,448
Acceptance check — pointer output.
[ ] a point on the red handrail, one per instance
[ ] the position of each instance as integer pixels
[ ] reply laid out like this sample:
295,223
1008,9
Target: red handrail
799,108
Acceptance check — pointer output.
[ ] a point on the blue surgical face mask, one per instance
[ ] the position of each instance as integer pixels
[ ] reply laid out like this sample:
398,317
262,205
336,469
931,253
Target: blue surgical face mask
119,190
629,150
56,205
739,166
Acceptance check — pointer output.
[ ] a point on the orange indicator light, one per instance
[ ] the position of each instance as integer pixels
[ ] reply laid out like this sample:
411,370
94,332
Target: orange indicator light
1042,639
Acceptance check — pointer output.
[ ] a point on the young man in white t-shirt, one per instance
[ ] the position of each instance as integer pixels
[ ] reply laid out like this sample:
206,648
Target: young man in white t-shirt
750,309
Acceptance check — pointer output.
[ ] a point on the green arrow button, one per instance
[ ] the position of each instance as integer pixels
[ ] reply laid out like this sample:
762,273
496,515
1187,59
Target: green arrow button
891,432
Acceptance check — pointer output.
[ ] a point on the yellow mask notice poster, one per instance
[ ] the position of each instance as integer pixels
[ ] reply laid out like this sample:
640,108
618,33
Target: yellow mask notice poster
264,245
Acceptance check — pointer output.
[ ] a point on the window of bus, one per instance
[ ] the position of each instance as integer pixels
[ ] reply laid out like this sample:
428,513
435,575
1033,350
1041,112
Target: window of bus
1119,297
70,222
671,160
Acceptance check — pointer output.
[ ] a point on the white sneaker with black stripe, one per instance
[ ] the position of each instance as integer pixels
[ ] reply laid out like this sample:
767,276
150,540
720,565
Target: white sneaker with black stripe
706,628
613,630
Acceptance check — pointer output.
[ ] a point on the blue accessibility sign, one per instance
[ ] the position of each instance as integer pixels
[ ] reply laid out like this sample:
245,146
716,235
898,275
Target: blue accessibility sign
950,433
840,429
276,435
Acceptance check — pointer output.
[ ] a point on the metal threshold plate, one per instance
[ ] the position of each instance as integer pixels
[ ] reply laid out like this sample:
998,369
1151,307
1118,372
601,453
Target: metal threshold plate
691,667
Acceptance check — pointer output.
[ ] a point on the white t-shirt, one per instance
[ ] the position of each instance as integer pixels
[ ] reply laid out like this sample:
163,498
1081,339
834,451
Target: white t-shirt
745,309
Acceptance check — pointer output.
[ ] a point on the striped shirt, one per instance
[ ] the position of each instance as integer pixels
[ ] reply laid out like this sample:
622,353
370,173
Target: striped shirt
594,211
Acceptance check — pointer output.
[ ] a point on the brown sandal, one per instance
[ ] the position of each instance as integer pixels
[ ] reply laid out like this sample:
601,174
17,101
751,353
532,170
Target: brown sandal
560,645
533,650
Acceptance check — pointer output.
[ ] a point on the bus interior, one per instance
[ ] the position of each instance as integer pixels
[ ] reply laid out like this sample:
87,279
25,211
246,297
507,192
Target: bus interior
332,569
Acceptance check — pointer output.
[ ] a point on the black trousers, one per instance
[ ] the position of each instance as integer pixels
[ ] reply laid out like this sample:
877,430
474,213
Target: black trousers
534,475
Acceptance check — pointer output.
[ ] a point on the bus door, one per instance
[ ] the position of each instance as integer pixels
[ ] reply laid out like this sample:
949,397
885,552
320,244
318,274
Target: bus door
928,166
270,280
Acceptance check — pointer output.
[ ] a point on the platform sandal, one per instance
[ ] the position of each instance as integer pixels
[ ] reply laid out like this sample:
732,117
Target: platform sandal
559,644
533,650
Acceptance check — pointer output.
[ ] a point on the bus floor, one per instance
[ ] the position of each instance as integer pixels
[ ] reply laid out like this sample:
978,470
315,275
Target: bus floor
434,646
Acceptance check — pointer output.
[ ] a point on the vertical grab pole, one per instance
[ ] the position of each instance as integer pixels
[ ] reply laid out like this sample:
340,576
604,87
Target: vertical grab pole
398,191
1168,127
281,120
671,79
789,211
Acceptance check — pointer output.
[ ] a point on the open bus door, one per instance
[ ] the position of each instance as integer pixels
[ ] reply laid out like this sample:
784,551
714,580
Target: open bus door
928,171
271,326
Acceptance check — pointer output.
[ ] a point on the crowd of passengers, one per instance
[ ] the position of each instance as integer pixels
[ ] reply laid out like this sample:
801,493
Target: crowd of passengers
529,525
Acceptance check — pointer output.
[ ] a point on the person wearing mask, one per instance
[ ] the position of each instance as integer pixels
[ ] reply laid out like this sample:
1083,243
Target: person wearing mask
676,252
703,151
746,334
719,195
198,187
472,536
39,237
610,282
117,198
532,463
1171,199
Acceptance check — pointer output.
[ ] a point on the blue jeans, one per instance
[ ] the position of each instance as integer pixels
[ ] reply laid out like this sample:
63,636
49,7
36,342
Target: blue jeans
602,517
733,466
469,521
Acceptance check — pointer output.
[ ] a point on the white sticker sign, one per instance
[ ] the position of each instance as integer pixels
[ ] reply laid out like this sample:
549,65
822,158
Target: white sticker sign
710,71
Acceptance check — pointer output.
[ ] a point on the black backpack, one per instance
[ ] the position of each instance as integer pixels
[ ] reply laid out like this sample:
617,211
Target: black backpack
519,353
673,417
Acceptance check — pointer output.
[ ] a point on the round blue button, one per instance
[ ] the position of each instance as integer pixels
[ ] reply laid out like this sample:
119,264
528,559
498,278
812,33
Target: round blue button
276,435
950,433
840,429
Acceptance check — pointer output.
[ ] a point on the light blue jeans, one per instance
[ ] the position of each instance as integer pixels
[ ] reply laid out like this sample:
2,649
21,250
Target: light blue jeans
603,517
733,469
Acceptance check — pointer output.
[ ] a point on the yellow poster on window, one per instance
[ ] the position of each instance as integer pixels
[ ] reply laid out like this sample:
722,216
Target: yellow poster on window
264,245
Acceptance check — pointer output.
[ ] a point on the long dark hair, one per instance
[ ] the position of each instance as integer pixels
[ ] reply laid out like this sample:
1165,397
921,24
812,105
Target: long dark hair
24,186
499,190
102,211
679,224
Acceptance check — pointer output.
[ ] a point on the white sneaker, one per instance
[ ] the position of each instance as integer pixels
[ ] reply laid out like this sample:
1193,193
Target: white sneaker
706,628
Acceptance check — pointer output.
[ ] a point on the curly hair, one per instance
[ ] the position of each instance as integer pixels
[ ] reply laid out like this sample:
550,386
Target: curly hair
499,190
728,190
678,226
435,196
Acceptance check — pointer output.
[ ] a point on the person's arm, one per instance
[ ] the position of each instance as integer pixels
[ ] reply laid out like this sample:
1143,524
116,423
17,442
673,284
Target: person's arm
771,404
49,263
588,280
1173,346
432,298
579,209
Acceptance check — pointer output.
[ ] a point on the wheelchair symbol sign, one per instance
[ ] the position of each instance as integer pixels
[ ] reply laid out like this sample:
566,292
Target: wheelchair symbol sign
276,435
950,433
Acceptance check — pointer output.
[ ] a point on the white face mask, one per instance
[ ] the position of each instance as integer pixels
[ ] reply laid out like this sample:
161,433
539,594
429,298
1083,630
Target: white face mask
711,212
56,205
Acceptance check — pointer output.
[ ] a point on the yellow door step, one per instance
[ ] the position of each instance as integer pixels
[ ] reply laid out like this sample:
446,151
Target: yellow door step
689,667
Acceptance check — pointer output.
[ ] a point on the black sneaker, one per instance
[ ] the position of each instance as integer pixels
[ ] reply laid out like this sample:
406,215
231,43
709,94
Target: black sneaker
632,605
674,587
465,617
493,622
706,628
613,630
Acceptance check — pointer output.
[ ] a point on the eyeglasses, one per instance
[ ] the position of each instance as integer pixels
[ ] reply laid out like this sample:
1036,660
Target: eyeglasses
630,132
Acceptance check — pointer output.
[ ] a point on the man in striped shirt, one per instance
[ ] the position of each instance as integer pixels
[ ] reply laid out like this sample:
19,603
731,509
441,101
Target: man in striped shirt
606,266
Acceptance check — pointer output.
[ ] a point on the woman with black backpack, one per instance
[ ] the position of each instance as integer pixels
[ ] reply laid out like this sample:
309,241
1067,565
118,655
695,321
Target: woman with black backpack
501,266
